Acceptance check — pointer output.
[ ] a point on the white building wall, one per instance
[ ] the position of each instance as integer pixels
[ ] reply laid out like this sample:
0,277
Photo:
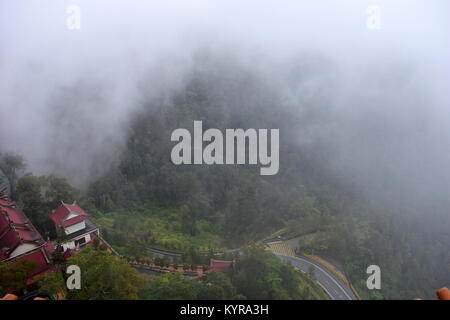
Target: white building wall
71,244
75,227
23,248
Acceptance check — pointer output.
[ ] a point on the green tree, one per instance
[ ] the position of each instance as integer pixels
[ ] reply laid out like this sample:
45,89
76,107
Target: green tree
56,189
172,286
11,164
41,194
53,283
261,275
105,276
217,287
13,276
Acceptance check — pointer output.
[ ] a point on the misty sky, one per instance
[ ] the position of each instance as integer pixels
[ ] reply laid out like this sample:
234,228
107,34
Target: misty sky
66,95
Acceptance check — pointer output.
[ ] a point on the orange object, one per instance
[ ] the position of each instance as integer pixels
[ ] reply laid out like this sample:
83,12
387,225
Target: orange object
10,296
443,293
39,298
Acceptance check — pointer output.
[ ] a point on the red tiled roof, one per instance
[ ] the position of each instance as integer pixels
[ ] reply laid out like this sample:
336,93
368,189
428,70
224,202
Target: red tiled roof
15,230
60,215
9,240
74,220
27,234
3,201
74,208
15,215
39,258
220,265
4,222
38,275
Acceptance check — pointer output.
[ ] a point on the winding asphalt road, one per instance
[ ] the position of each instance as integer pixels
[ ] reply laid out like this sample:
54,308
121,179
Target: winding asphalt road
333,287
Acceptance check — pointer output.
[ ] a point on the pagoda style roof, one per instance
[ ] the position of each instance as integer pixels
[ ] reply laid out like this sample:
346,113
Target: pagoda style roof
221,265
15,229
68,214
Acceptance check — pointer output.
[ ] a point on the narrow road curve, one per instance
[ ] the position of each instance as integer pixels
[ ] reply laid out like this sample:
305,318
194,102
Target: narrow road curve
333,286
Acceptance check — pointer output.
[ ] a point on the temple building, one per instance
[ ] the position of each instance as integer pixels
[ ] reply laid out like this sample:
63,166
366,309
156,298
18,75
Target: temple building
74,228
19,239
221,265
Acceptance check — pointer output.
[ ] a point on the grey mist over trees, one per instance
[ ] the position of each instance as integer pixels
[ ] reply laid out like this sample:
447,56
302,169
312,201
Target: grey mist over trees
70,94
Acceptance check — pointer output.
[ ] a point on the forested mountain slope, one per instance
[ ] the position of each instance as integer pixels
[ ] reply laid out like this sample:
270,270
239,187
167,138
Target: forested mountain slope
150,201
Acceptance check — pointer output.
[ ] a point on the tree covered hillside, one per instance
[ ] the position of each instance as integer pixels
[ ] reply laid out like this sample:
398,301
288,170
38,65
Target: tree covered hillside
146,200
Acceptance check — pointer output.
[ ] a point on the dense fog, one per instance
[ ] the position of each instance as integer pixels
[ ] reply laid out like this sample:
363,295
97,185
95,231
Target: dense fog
376,100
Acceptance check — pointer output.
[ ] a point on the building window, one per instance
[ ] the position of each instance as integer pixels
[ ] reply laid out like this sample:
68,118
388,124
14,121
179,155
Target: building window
80,242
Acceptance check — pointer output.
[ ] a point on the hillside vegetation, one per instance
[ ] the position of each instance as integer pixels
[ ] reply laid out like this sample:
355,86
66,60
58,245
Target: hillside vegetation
146,200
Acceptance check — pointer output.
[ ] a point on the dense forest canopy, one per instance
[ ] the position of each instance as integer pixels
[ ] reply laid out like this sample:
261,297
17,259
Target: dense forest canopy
239,205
